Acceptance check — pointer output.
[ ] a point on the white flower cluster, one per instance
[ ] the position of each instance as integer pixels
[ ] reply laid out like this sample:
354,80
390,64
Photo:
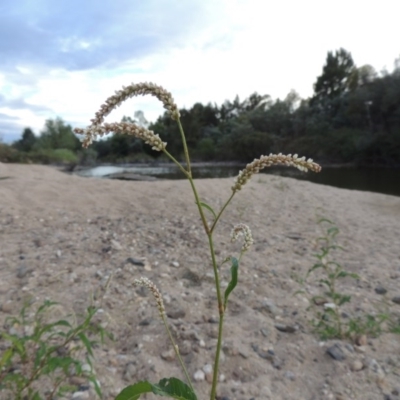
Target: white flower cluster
138,89
157,295
273,159
126,128
242,230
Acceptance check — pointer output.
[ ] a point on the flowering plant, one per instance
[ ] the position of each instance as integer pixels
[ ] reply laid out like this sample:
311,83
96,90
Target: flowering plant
174,387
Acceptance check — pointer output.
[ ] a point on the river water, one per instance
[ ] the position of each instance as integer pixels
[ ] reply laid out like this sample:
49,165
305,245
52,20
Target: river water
381,180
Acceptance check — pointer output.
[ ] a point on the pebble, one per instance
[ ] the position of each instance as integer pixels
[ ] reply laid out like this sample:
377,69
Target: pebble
265,392
357,365
116,245
176,313
77,381
199,375
81,395
208,369
361,340
285,328
329,306
380,290
6,308
264,332
130,372
290,375
185,348
135,261
375,367
270,307
168,355
22,271
175,264
336,352
396,299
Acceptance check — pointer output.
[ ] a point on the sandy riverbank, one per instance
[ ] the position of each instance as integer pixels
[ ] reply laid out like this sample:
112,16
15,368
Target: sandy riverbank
70,233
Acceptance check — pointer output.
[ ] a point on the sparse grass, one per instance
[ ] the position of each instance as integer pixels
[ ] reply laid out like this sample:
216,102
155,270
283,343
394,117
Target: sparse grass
329,320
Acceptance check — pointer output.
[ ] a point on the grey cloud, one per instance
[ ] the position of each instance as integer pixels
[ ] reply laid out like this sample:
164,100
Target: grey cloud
79,35
10,131
84,34
19,103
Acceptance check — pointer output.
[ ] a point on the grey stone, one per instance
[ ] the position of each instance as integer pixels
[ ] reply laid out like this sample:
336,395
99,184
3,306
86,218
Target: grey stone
396,299
269,306
80,395
336,352
199,375
130,372
6,308
176,313
380,290
175,264
290,375
22,271
135,261
285,328
168,355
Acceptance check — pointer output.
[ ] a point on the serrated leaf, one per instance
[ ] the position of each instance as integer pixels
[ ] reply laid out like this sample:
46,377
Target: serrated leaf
205,205
234,278
133,392
174,388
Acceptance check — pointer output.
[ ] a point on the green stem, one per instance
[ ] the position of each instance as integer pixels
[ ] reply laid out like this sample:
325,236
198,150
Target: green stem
200,208
216,361
208,231
185,148
221,318
220,213
173,159
176,349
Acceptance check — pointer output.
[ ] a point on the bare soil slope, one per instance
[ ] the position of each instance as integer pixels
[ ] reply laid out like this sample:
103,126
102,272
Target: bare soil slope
62,236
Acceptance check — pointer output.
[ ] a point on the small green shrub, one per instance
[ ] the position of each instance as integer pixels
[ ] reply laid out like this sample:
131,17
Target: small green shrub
51,156
8,154
41,355
328,321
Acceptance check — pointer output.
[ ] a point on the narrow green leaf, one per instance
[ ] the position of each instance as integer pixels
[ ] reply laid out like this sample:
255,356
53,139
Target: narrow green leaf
96,386
205,205
18,343
232,284
86,342
6,357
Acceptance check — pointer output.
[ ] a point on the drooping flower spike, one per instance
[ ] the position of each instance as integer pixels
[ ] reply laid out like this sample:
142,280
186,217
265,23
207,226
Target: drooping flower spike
273,159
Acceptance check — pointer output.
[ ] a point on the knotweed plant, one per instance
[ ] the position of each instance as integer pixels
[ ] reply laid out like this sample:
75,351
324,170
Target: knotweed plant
173,387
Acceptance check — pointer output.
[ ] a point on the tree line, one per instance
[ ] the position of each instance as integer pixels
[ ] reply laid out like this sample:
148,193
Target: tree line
352,117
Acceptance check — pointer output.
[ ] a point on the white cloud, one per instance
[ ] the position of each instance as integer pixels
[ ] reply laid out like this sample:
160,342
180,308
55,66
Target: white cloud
242,46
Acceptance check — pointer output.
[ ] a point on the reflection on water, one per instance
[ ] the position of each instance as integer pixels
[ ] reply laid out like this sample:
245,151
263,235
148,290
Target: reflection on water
382,180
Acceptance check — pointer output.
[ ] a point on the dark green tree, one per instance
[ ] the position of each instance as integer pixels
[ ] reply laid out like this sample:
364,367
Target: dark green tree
336,77
27,142
57,135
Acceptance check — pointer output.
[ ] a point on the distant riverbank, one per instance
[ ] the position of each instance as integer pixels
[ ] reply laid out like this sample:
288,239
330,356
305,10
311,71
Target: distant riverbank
373,179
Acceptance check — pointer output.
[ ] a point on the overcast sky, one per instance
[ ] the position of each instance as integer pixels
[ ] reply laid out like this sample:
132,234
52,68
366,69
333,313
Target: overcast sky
64,58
